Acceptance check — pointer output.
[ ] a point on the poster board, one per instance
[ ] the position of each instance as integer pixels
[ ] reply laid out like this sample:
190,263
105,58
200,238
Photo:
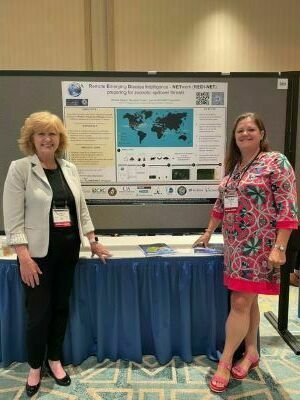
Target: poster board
24,92
147,141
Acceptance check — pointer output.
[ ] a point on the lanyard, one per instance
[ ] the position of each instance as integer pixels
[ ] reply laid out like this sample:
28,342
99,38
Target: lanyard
245,169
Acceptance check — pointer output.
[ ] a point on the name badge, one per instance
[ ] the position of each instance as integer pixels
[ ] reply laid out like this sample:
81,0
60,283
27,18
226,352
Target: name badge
231,201
61,217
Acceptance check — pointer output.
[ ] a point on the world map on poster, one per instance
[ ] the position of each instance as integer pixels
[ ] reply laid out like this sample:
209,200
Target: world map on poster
154,127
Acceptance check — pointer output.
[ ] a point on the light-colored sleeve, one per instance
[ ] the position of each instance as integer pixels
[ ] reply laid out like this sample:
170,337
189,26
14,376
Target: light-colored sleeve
14,206
283,185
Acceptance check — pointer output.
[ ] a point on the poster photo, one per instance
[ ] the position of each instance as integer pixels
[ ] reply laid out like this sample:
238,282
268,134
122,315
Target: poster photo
147,141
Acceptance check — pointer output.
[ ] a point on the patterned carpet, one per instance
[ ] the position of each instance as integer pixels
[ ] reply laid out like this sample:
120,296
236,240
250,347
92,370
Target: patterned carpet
276,378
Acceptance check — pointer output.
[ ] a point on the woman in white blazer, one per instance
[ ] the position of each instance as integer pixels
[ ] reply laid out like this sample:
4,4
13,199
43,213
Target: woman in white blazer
45,219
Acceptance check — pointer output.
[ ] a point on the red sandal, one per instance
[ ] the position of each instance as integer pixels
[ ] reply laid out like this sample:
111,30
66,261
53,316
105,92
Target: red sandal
239,372
219,379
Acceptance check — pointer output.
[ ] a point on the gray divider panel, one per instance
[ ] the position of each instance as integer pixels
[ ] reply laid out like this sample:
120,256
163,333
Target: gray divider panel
22,93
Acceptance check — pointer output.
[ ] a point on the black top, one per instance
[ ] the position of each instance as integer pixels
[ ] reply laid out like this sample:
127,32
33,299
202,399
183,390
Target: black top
62,194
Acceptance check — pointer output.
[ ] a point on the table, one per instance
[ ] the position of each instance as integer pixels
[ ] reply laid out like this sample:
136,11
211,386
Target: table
129,307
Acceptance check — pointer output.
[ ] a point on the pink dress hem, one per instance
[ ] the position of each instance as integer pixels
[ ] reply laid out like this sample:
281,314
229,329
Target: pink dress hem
241,285
287,225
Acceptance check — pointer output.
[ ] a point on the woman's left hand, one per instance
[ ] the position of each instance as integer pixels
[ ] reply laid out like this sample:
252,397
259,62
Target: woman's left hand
98,249
276,258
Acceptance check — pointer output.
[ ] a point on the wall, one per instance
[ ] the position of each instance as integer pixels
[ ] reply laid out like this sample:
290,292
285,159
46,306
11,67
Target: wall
44,34
142,35
214,35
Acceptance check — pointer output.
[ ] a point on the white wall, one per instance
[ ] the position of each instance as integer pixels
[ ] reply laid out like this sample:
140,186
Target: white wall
142,35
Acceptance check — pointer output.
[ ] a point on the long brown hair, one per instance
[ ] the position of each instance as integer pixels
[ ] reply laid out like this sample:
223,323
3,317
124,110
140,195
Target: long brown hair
233,155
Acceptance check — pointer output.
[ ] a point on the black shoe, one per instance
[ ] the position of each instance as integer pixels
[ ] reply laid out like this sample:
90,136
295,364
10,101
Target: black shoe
65,381
32,390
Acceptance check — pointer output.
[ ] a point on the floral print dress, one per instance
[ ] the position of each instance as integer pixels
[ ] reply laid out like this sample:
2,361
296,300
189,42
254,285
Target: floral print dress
266,202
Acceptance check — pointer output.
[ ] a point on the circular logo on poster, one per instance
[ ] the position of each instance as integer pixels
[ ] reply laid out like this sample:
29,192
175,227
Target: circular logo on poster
112,191
74,89
181,190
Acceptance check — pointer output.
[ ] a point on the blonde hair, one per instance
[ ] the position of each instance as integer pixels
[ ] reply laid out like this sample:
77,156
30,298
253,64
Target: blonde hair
42,121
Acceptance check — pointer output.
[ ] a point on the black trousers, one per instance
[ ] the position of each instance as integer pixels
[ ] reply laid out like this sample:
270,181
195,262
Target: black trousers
47,305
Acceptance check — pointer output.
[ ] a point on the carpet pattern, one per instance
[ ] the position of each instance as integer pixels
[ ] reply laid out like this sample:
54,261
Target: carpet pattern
276,378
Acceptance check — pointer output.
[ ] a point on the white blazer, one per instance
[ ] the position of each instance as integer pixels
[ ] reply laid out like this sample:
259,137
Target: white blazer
27,198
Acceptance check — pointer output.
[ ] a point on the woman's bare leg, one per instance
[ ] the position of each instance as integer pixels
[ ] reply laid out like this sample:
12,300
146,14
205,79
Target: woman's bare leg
251,337
237,327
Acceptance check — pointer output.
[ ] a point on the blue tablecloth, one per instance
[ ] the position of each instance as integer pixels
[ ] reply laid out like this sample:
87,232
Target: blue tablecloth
164,306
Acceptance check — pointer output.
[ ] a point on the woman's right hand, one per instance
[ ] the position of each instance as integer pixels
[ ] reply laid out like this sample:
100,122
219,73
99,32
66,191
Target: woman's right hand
29,271
202,240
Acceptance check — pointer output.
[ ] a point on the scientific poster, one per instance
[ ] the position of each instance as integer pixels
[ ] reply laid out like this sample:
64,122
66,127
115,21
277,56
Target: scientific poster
147,141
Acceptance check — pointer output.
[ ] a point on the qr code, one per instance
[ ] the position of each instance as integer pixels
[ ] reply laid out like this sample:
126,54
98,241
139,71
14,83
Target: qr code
202,98
217,98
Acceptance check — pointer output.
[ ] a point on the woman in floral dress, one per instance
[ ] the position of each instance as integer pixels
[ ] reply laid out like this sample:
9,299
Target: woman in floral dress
258,210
